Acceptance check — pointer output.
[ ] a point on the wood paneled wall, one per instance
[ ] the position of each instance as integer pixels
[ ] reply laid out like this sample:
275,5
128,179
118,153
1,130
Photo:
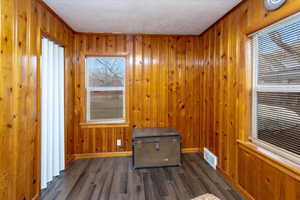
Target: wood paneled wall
162,82
198,84
21,26
225,93
223,88
264,178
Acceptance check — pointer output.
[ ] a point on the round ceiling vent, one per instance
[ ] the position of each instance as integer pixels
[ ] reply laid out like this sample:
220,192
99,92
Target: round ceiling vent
274,4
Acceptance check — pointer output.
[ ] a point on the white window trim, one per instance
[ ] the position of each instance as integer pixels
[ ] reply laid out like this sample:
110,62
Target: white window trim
256,87
91,89
277,150
254,83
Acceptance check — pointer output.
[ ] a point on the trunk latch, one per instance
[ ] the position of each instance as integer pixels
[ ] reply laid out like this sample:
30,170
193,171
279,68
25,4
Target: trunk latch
157,147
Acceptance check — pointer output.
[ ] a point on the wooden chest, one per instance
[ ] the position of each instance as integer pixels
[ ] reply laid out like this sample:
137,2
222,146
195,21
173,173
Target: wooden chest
155,147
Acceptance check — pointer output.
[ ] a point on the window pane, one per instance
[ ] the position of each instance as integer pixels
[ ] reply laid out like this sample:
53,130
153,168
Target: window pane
106,105
278,119
279,54
105,71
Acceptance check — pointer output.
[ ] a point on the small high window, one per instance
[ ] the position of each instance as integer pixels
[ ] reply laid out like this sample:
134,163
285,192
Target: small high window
276,86
105,89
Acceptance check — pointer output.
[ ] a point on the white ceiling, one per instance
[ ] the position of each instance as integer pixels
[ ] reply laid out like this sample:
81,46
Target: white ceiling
141,16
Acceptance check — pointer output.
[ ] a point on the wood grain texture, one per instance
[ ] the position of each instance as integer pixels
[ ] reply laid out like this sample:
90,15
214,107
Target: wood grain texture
262,17
200,85
22,24
114,179
162,76
266,180
225,102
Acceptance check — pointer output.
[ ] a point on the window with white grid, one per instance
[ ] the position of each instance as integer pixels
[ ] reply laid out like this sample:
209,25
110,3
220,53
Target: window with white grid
105,89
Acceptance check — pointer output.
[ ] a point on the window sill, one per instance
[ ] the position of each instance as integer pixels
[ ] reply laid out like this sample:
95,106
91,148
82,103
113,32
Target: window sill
283,164
104,125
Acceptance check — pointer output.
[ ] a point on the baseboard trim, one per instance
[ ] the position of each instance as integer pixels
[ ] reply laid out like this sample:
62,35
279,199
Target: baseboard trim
190,150
102,155
122,154
69,160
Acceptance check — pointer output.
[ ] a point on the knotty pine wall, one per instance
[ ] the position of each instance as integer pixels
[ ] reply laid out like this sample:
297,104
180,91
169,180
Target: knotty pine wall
21,26
225,91
163,77
198,84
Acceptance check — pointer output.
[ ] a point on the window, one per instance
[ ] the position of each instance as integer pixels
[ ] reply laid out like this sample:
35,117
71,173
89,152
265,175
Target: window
105,89
276,86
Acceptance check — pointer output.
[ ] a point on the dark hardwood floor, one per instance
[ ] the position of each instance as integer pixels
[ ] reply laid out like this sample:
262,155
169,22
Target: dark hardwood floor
114,179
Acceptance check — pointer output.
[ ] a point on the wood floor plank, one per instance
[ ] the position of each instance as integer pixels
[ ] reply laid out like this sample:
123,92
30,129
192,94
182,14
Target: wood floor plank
205,178
212,174
64,185
135,186
115,179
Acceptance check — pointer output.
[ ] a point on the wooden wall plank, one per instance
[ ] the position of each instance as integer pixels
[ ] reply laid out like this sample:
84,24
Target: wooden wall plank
7,137
172,84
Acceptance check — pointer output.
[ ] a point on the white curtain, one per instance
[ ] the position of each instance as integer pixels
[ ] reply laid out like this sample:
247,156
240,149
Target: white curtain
52,110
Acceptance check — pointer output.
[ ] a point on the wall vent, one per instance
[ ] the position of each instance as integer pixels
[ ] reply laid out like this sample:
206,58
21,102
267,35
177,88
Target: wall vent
210,158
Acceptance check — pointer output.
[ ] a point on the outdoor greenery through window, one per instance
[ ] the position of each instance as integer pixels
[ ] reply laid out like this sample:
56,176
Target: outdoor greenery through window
276,86
105,87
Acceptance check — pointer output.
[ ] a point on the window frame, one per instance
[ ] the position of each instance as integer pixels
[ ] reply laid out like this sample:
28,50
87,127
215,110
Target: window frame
256,87
88,90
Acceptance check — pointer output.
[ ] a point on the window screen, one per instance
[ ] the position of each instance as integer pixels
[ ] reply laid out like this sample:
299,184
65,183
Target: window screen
276,85
105,85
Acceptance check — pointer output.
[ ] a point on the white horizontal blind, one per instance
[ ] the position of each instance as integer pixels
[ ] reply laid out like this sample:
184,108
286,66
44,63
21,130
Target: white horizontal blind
52,110
276,85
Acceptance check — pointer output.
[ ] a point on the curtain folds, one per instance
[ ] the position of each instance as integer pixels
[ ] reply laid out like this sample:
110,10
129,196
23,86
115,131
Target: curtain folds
52,111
